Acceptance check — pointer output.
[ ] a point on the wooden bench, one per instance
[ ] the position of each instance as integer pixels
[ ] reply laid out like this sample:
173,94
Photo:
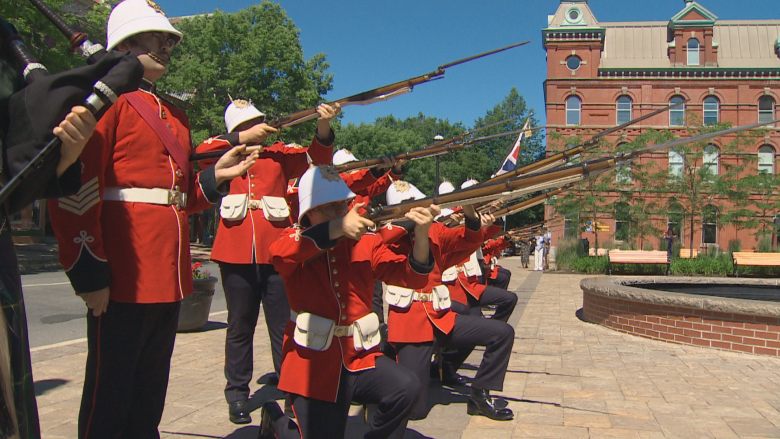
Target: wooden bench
638,257
750,259
685,253
599,252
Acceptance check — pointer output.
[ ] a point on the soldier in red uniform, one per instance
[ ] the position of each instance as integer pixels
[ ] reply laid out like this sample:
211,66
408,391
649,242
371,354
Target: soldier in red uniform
253,215
331,354
498,276
124,238
421,319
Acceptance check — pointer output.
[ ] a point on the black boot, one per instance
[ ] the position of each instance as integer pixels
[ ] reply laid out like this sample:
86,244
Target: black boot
269,414
239,412
481,403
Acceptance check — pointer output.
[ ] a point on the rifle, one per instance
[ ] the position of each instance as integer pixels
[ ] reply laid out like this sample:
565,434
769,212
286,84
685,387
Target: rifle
563,157
553,178
527,204
437,149
378,94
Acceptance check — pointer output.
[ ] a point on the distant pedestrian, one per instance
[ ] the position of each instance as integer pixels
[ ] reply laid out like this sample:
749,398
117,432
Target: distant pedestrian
525,251
539,254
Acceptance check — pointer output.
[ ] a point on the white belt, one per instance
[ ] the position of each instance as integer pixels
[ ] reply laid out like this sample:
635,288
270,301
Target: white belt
340,331
164,197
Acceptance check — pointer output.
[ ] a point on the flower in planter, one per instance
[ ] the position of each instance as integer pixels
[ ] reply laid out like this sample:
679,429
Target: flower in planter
197,273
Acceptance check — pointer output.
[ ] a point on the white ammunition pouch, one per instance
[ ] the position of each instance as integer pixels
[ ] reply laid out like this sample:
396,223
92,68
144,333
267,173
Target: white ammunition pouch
275,208
312,331
493,263
471,267
233,207
399,297
366,333
450,274
441,298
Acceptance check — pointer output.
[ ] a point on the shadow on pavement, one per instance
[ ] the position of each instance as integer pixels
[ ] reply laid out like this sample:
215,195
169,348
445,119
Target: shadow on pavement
249,432
44,386
212,326
263,395
200,435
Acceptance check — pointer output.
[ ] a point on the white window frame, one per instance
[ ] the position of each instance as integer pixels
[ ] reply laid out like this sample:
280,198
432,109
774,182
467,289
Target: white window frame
766,159
577,111
676,167
714,107
711,159
694,58
678,113
766,115
705,224
627,105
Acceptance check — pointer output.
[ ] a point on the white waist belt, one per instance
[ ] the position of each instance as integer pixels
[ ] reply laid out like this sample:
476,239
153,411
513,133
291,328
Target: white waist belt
164,197
340,331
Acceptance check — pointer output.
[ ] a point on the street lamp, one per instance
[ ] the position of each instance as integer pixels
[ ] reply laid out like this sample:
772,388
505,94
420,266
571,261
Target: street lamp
437,138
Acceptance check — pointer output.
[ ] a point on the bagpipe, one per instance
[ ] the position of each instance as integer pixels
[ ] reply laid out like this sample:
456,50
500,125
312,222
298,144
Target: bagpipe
365,98
48,98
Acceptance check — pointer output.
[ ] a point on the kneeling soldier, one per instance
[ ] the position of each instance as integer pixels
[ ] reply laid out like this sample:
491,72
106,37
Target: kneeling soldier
331,345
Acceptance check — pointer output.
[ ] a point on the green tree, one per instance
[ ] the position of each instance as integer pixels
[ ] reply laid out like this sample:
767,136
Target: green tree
253,54
47,43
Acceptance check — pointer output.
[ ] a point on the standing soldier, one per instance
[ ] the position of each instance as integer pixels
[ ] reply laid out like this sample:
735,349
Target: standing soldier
124,238
253,215
331,345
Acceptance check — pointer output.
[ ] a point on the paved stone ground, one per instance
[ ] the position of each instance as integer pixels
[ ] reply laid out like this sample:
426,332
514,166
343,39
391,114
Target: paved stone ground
567,379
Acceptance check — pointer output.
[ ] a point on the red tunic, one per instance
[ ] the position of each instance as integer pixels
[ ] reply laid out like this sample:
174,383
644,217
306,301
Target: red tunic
448,246
337,284
492,249
140,250
247,241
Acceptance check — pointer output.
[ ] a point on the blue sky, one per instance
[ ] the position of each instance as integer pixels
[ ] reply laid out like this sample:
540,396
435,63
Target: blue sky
372,43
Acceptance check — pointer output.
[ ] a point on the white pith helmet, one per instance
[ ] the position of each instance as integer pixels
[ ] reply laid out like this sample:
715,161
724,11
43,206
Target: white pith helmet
240,111
469,183
446,187
318,186
343,156
401,191
132,17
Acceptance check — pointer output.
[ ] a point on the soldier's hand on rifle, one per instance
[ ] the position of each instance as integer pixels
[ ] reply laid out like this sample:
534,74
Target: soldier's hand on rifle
74,131
97,301
256,134
233,164
327,113
422,218
487,220
352,225
456,218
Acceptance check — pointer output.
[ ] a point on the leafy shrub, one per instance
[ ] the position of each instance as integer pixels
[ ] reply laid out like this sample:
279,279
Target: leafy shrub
647,246
591,264
568,250
609,244
765,245
703,265
735,245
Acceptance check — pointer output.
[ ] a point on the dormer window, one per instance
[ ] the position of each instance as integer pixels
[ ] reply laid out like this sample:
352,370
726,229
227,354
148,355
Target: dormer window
693,52
574,17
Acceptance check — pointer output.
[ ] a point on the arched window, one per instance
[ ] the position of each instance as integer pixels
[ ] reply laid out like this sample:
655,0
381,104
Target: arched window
573,108
623,174
711,110
766,159
622,221
677,114
675,219
623,110
710,161
766,109
709,226
676,163
693,52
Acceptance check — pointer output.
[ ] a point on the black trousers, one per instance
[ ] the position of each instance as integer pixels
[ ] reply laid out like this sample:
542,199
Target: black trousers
505,302
497,337
390,385
502,279
246,287
128,362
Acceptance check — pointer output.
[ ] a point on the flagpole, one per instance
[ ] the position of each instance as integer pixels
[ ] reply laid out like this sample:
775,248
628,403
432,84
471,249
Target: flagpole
437,138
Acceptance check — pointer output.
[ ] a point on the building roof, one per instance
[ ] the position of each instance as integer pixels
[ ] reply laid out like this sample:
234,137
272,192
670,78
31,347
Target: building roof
741,44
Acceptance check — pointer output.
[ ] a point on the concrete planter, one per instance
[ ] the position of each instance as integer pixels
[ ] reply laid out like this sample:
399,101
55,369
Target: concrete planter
196,307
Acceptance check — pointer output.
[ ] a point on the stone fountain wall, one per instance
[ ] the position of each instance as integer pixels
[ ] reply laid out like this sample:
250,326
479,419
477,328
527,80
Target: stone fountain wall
722,323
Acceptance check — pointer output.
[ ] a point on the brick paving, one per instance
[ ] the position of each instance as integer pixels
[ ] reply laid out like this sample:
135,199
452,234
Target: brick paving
567,379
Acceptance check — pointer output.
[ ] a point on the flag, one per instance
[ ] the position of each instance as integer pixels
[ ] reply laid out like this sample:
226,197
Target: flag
511,160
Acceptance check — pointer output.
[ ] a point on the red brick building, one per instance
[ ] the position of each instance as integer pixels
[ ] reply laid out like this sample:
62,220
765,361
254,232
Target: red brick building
603,74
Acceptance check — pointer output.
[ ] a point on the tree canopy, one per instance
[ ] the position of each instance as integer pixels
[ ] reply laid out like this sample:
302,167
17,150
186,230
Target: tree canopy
253,54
